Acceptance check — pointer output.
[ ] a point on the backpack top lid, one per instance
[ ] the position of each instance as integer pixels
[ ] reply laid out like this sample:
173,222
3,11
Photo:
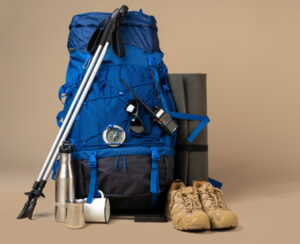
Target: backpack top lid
137,29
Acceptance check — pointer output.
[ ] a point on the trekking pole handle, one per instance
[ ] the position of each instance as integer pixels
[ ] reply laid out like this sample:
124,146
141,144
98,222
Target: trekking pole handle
123,11
114,20
115,13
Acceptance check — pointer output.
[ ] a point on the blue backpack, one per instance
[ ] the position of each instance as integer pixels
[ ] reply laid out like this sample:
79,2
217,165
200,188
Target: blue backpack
132,169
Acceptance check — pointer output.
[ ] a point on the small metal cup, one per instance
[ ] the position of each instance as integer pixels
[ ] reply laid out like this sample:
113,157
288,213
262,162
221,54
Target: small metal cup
75,214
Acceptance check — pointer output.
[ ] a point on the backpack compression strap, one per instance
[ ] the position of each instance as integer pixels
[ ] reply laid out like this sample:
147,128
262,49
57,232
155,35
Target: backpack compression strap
204,120
154,176
93,190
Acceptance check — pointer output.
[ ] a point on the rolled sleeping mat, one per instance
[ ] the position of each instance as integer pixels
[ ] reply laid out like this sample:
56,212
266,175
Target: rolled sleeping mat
191,159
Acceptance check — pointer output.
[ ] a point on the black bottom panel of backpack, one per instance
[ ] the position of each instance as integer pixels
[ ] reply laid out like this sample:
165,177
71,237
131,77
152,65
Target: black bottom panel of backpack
125,180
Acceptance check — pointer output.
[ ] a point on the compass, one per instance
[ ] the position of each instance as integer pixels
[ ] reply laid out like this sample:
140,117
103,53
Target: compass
114,135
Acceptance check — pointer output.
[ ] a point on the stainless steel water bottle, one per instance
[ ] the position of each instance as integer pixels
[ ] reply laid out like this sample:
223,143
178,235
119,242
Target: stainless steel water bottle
64,183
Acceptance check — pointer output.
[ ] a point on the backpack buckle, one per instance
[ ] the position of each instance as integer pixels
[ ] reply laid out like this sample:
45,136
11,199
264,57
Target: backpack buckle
92,160
155,154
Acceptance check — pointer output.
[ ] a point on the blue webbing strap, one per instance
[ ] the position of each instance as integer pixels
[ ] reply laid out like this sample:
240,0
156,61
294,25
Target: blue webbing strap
93,190
154,175
215,183
204,120
59,117
66,89
62,90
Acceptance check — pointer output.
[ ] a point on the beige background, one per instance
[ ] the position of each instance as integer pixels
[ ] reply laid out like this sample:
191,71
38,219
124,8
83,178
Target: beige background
250,51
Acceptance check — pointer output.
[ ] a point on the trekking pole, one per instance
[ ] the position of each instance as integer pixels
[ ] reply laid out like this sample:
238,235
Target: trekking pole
39,184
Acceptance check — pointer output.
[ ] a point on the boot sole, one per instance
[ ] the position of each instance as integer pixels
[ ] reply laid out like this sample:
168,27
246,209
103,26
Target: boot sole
223,227
192,228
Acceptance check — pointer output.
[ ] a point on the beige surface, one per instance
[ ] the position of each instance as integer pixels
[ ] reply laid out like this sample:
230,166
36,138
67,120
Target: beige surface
250,51
271,216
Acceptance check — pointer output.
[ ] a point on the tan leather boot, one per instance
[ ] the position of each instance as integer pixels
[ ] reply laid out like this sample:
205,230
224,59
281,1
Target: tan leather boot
184,208
221,217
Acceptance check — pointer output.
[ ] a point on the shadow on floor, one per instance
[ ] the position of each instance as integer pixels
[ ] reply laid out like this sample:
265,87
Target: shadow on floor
43,215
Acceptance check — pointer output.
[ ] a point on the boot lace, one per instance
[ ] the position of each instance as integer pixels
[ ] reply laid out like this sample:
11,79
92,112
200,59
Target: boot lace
191,201
214,197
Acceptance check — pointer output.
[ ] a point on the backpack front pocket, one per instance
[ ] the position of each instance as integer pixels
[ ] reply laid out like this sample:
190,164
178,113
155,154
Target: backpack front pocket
123,177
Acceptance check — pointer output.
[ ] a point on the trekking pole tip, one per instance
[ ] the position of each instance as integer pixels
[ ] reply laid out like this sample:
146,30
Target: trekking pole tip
33,195
28,209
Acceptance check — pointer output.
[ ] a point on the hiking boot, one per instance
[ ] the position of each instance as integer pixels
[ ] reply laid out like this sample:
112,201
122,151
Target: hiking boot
184,208
221,217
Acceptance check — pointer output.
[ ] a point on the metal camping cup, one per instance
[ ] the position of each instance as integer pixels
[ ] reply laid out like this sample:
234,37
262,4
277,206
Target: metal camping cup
98,210
75,214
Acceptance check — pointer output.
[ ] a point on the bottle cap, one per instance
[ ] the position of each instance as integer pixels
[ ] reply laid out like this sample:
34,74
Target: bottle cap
65,147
